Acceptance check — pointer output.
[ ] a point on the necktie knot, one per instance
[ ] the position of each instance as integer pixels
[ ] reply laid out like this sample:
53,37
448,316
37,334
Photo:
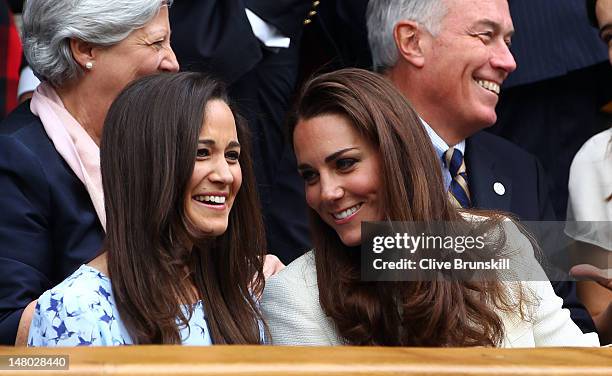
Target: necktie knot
458,189
453,160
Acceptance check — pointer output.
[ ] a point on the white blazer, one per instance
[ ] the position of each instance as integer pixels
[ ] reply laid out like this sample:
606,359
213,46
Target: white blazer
290,304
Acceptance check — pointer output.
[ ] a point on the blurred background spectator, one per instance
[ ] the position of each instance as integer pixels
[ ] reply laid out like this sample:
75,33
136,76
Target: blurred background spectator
551,104
590,203
10,56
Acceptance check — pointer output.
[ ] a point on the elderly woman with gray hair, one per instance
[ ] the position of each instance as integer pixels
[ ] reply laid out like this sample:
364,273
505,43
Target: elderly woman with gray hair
53,218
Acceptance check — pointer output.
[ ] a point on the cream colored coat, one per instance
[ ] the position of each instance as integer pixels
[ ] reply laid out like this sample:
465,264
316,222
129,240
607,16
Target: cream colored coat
290,304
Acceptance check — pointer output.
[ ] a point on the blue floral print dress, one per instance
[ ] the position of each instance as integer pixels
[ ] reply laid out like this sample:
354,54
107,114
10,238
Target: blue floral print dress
81,311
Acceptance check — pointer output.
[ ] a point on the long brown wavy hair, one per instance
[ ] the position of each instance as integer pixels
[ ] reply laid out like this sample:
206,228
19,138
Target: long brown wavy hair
148,153
422,313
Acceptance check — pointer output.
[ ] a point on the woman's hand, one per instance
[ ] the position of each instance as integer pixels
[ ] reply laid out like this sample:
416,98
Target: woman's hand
601,276
272,265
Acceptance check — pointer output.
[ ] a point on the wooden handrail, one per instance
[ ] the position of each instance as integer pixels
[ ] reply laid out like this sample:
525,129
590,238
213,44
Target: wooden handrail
271,360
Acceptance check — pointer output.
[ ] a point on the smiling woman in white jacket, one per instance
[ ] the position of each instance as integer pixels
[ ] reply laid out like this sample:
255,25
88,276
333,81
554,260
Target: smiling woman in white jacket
365,156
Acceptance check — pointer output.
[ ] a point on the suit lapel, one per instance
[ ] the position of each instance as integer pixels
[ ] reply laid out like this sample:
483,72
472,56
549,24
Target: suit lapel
489,188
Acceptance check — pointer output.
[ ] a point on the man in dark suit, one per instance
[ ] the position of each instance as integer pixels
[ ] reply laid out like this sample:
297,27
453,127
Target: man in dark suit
218,37
449,58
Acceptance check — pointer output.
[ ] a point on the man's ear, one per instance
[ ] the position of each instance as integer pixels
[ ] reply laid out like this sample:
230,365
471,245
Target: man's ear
408,37
82,52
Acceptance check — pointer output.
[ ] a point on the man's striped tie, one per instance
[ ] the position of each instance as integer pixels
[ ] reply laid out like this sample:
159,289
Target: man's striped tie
458,190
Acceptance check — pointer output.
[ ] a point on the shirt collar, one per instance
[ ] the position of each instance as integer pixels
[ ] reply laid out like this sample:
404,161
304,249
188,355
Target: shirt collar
439,144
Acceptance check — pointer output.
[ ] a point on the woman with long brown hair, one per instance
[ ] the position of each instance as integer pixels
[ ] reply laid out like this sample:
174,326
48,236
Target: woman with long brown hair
365,156
184,248
85,52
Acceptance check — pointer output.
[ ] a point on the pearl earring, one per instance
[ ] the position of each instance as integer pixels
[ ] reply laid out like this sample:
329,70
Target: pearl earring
89,65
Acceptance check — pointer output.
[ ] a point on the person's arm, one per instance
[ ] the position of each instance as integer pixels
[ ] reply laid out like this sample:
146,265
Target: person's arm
553,325
24,324
595,296
603,322
603,318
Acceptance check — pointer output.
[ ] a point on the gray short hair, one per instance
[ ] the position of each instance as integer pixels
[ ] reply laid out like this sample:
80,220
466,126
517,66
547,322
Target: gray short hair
383,15
48,26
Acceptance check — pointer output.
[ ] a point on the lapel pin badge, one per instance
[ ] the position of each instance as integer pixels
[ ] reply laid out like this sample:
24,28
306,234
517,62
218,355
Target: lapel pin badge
499,188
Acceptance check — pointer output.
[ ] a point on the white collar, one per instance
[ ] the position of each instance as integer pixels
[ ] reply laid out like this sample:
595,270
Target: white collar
439,144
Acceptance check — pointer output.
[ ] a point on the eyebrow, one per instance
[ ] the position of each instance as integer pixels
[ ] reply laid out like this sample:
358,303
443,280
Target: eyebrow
159,31
492,24
334,156
208,142
330,158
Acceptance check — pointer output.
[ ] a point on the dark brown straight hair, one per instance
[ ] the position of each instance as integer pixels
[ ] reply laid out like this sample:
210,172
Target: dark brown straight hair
427,313
148,153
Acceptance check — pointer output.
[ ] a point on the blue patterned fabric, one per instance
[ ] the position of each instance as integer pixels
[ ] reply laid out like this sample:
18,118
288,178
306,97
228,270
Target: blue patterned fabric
81,311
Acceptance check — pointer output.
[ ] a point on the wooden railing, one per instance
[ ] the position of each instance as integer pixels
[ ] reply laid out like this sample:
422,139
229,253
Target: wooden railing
270,360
